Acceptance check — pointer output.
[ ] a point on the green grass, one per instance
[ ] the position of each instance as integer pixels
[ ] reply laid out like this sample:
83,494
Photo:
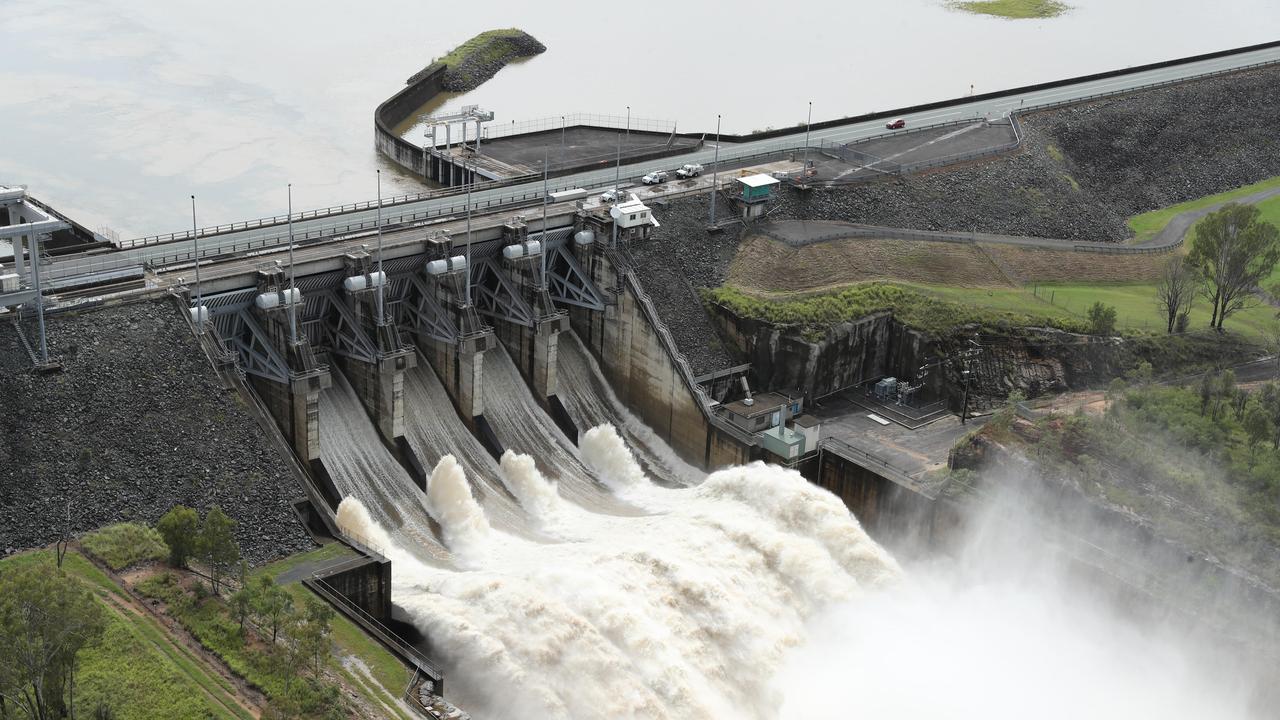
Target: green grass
481,46
933,309
1014,9
1136,308
125,544
938,308
1146,225
386,669
135,669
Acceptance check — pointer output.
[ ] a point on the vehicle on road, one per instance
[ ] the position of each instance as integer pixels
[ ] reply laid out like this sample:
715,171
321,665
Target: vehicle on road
897,124
689,170
655,177
613,195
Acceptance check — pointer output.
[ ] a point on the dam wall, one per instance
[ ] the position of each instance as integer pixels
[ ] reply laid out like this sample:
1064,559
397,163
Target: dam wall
647,373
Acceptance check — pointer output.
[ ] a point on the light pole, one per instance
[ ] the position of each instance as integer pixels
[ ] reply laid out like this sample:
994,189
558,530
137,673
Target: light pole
381,278
715,174
468,292
628,123
293,313
807,123
543,259
195,250
617,180
562,145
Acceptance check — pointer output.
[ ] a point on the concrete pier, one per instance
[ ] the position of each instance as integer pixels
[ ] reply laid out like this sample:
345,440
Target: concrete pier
376,376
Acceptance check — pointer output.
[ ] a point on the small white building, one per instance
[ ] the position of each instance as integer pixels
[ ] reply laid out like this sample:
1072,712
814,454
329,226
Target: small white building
633,213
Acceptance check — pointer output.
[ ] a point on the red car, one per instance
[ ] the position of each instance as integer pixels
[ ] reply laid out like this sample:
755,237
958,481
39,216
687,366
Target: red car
896,124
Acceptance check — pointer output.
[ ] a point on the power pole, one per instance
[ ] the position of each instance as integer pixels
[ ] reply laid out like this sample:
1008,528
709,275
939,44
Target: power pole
293,311
195,250
381,278
715,174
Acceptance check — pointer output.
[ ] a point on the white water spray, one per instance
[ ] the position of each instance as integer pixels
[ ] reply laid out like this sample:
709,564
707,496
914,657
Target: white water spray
450,503
537,495
609,458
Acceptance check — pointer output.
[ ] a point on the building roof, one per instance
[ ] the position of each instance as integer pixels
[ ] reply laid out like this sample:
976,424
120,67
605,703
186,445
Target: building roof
760,180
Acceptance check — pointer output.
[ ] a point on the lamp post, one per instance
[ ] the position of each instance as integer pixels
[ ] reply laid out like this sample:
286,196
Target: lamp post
807,123
195,250
715,174
381,278
545,238
293,312
628,123
468,292
617,180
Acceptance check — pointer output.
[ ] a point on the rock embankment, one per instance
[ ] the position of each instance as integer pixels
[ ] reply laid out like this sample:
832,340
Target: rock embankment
481,57
1084,169
136,422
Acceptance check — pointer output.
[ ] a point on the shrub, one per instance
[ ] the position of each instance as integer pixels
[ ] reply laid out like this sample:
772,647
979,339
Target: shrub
1102,319
125,544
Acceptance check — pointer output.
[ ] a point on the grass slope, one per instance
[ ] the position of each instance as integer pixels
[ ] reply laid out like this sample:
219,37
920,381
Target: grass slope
1014,9
1147,224
136,669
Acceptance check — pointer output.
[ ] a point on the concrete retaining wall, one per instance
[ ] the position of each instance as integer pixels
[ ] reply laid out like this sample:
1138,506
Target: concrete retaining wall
396,109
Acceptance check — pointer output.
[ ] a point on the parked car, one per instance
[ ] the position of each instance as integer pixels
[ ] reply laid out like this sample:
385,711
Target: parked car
689,170
613,195
897,124
655,177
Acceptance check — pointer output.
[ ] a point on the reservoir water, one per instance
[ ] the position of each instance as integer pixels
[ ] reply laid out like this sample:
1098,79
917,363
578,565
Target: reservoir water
118,110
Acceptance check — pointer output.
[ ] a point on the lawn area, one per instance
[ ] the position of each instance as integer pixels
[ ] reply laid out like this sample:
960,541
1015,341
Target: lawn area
390,673
1147,224
1014,9
1136,308
935,308
136,670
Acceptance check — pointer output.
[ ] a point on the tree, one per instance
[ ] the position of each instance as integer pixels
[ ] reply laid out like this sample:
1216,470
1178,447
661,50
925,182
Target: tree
1233,250
180,528
317,626
242,605
273,604
46,618
1102,319
217,544
1257,425
1175,290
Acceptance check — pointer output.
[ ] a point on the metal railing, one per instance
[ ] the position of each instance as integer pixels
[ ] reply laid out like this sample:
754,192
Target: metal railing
619,122
668,341
874,463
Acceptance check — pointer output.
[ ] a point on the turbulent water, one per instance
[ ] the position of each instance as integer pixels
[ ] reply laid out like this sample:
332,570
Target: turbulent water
751,594
687,611
591,401
363,468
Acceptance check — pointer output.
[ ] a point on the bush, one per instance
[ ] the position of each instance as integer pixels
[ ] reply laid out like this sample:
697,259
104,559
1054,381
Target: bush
125,544
1102,319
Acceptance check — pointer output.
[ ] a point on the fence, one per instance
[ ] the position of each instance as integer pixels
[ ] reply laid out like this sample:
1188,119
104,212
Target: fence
618,122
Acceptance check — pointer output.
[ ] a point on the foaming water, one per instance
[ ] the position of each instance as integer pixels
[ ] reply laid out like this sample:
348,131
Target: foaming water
537,495
591,402
450,502
758,595
687,611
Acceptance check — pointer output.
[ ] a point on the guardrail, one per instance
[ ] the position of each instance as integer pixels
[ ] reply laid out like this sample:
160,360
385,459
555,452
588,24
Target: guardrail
703,400
874,463
546,124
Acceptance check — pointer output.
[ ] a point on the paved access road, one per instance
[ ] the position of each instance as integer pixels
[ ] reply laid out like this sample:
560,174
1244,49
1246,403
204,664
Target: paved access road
73,269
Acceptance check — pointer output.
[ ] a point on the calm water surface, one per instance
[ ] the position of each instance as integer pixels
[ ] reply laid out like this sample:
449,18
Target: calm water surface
117,110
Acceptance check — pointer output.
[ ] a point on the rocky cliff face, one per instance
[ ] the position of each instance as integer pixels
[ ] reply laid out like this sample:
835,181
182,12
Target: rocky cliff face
1033,361
136,422
851,353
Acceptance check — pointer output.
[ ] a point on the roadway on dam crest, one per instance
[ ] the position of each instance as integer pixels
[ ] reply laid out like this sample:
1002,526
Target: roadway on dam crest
128,262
